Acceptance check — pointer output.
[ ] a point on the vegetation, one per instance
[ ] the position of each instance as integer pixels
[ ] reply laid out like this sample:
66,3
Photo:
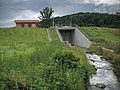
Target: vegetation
53,34
108,44
28,61
106,37
88,19
45,16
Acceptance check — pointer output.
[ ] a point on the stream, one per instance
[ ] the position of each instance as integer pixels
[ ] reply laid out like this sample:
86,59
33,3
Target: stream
104,79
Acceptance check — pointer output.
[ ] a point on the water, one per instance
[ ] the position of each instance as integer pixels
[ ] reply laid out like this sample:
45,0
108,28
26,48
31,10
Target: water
104,74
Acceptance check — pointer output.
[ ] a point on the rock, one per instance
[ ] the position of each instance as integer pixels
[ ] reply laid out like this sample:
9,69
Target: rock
92,60
100,85
99,67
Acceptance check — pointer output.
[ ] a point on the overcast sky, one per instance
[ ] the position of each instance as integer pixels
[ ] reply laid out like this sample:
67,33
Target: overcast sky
11,10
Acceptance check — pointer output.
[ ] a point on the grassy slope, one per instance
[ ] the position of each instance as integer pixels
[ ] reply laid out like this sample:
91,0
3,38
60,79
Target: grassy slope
26,55
97,33
108,38
53,34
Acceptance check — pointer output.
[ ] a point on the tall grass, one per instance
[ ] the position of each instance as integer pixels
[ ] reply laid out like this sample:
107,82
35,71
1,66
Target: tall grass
27,62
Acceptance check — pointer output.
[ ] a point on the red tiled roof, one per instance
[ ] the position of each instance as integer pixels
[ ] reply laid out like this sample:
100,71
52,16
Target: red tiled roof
28,21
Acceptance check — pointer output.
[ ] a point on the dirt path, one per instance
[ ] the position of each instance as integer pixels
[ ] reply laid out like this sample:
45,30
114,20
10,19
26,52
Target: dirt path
49,36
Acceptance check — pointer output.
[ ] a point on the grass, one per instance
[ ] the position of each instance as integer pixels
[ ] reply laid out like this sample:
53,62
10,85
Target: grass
53,34
13,36
106,37
98,34
27,61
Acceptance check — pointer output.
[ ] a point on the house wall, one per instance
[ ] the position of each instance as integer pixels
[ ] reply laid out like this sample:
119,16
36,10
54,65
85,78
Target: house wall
25,26
33,25
18,25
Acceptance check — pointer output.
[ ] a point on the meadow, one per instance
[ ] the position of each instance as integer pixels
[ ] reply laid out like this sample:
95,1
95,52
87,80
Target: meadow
107,44
28,61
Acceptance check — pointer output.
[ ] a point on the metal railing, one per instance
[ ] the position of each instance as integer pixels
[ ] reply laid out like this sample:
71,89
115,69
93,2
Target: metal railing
61,25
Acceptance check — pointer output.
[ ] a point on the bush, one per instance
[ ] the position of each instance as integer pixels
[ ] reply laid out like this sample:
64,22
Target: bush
66,72
45,23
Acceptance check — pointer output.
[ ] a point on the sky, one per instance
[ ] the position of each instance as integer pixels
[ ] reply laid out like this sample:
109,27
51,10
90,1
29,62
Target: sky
11,10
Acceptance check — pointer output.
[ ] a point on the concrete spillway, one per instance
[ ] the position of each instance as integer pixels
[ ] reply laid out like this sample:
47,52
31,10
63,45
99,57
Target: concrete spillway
73,36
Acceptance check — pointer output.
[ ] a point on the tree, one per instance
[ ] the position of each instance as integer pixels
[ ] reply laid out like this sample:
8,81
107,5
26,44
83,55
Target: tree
45,16
46,13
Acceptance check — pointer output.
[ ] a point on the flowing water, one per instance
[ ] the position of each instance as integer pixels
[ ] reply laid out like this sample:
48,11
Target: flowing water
104,74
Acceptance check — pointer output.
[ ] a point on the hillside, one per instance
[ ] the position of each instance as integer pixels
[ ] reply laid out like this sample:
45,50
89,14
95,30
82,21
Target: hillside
86,19
106,37
29,61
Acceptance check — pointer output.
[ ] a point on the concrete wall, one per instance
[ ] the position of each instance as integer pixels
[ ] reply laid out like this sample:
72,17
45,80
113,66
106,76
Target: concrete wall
73,36
67,35
80,39
60,36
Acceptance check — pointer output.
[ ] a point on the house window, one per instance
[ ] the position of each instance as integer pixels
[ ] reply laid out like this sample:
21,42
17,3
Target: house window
29,25
22,25
34,25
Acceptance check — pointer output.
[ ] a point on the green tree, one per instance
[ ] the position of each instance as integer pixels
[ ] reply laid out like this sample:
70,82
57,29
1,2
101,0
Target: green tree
45,16
46,13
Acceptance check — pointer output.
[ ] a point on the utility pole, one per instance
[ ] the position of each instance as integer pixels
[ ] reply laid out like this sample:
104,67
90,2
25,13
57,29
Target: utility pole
58,24
70,20
53,21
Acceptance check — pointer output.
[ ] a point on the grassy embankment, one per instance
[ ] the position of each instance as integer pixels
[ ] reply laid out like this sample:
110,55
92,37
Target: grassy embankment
108,44
28,61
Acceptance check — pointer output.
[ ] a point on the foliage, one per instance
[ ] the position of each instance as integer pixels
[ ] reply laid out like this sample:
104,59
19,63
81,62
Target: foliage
28,61
46,14
67,73
89,19
45,23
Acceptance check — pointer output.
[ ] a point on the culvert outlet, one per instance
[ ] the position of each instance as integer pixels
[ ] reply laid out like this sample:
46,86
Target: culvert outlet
73,36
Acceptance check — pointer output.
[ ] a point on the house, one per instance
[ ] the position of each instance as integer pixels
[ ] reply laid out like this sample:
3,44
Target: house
27,23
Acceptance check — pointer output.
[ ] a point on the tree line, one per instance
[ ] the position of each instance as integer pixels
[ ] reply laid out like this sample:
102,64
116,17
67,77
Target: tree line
85,19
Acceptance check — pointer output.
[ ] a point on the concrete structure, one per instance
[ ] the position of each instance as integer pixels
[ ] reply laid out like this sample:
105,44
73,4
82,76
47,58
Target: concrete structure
27,23
73,36
49,36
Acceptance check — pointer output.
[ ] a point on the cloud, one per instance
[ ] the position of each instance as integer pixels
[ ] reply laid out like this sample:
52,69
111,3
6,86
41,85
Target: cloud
107,9
20,15
7,23
108,2
29,9
96,2
27,14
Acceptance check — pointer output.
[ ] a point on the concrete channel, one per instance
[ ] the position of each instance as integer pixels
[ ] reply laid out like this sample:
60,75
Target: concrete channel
73,36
